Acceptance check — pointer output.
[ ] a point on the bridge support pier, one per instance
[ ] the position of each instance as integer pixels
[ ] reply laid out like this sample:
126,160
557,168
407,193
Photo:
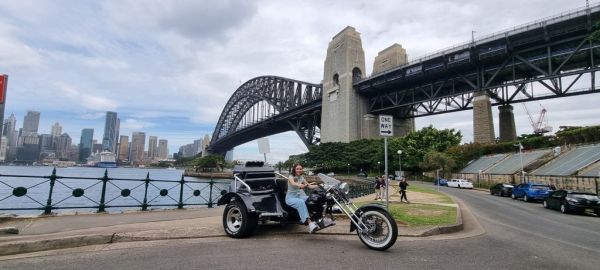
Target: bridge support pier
343,108
483,122
508,132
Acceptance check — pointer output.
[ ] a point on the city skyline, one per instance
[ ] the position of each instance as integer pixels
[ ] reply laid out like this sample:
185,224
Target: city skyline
169,76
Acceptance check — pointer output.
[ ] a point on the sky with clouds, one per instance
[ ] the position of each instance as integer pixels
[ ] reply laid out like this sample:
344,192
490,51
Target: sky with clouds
168,67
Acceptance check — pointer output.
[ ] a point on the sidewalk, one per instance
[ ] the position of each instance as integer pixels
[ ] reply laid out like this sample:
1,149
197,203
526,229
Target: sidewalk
57,232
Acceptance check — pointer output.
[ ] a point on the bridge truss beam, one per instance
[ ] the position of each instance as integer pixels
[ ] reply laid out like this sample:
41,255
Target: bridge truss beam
558,69
265,106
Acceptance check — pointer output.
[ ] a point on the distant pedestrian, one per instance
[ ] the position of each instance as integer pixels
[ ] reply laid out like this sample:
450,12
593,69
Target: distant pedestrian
403,185
382,190
377,188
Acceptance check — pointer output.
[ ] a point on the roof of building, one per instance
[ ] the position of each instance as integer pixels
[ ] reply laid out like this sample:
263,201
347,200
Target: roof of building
483,163
512,164
572,161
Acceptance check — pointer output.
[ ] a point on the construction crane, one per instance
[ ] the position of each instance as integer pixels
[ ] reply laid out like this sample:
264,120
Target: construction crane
541,125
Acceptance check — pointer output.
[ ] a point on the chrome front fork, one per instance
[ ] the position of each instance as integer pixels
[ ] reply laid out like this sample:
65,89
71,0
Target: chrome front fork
349,208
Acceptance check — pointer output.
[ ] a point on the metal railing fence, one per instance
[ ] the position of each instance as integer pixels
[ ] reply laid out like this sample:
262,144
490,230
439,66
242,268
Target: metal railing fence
121,192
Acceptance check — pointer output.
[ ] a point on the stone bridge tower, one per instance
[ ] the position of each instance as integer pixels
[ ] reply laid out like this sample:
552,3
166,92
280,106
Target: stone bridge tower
343,107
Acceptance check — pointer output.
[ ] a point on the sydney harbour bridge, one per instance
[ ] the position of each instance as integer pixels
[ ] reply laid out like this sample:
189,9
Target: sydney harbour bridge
549,58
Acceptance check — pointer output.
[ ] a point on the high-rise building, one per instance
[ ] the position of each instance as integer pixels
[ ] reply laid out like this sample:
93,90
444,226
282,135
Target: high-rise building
11,136
229,156
163,149
63,146
111,131
3,87
205,144
31,122
138,142
3,148
152,147
86,143
29,151
123,148
47,144
198,146
56,129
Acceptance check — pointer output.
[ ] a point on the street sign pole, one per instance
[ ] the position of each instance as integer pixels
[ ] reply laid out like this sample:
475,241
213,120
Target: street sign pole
387,182
386,129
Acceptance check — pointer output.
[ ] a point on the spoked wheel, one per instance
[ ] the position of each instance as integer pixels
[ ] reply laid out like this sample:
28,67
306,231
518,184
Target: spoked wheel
563,208
381,232
237,222
546,204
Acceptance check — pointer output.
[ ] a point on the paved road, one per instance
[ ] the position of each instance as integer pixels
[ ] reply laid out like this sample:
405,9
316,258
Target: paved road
507,235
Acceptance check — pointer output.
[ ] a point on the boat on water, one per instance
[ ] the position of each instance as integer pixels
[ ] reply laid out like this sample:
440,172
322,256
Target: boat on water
107,160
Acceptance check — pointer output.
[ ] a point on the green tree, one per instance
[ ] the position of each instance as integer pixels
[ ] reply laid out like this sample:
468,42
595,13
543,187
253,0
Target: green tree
210,162
437,160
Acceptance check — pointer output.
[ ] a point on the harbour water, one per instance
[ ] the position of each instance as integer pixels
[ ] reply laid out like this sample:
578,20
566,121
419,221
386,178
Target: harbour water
125,191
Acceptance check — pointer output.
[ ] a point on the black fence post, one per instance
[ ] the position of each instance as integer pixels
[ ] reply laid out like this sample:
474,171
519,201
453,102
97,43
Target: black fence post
145,203
210,203
181,182
48,208
103,194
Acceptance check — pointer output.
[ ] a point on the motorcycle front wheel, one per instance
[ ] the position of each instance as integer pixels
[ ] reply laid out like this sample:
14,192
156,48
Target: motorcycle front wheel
381,232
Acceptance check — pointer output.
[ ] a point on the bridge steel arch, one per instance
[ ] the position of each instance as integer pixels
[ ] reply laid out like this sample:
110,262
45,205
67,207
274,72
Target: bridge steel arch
292,105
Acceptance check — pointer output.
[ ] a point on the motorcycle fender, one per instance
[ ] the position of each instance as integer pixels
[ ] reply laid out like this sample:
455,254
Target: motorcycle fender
366,208
225,199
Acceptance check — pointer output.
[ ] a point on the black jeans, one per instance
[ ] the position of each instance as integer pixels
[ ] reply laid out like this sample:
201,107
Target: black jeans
403,195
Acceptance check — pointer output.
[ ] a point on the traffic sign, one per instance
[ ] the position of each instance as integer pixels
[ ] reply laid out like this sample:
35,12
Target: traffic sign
386,125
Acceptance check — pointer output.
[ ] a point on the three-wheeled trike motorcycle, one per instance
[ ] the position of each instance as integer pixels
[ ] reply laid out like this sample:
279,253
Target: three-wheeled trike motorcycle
257,193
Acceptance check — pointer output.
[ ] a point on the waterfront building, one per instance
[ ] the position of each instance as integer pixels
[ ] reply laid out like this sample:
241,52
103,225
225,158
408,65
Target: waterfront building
3,87
163,149
198,146
229,156
111,132
31,123
85,144
63,146
29,151
96,148
205,143
152,147
3,148
123,148
138,142
12,136
56,129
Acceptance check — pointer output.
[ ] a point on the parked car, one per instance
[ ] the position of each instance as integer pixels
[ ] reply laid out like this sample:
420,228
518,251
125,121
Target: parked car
441,182
460,183
568,201
530,191
501,189
362,174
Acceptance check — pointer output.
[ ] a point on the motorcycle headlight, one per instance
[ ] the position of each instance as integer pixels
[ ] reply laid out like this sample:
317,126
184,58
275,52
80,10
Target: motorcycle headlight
344,188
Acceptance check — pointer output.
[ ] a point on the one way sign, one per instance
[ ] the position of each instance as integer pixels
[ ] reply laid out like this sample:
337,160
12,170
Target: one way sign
386,125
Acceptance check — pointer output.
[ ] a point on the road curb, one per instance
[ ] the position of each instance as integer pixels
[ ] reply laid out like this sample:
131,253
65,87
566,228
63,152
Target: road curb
51,244
458,226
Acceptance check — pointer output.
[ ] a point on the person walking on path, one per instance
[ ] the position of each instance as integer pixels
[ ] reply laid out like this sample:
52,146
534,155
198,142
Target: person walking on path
382,189
403,185
377,188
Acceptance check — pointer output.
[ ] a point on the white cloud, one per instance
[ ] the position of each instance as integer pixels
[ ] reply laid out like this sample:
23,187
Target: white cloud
180,61
130,124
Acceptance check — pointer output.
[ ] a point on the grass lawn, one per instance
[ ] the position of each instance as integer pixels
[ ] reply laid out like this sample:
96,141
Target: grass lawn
415,214
443,197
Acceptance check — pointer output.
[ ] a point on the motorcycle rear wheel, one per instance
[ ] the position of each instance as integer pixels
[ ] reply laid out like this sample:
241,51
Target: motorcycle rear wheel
382,229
